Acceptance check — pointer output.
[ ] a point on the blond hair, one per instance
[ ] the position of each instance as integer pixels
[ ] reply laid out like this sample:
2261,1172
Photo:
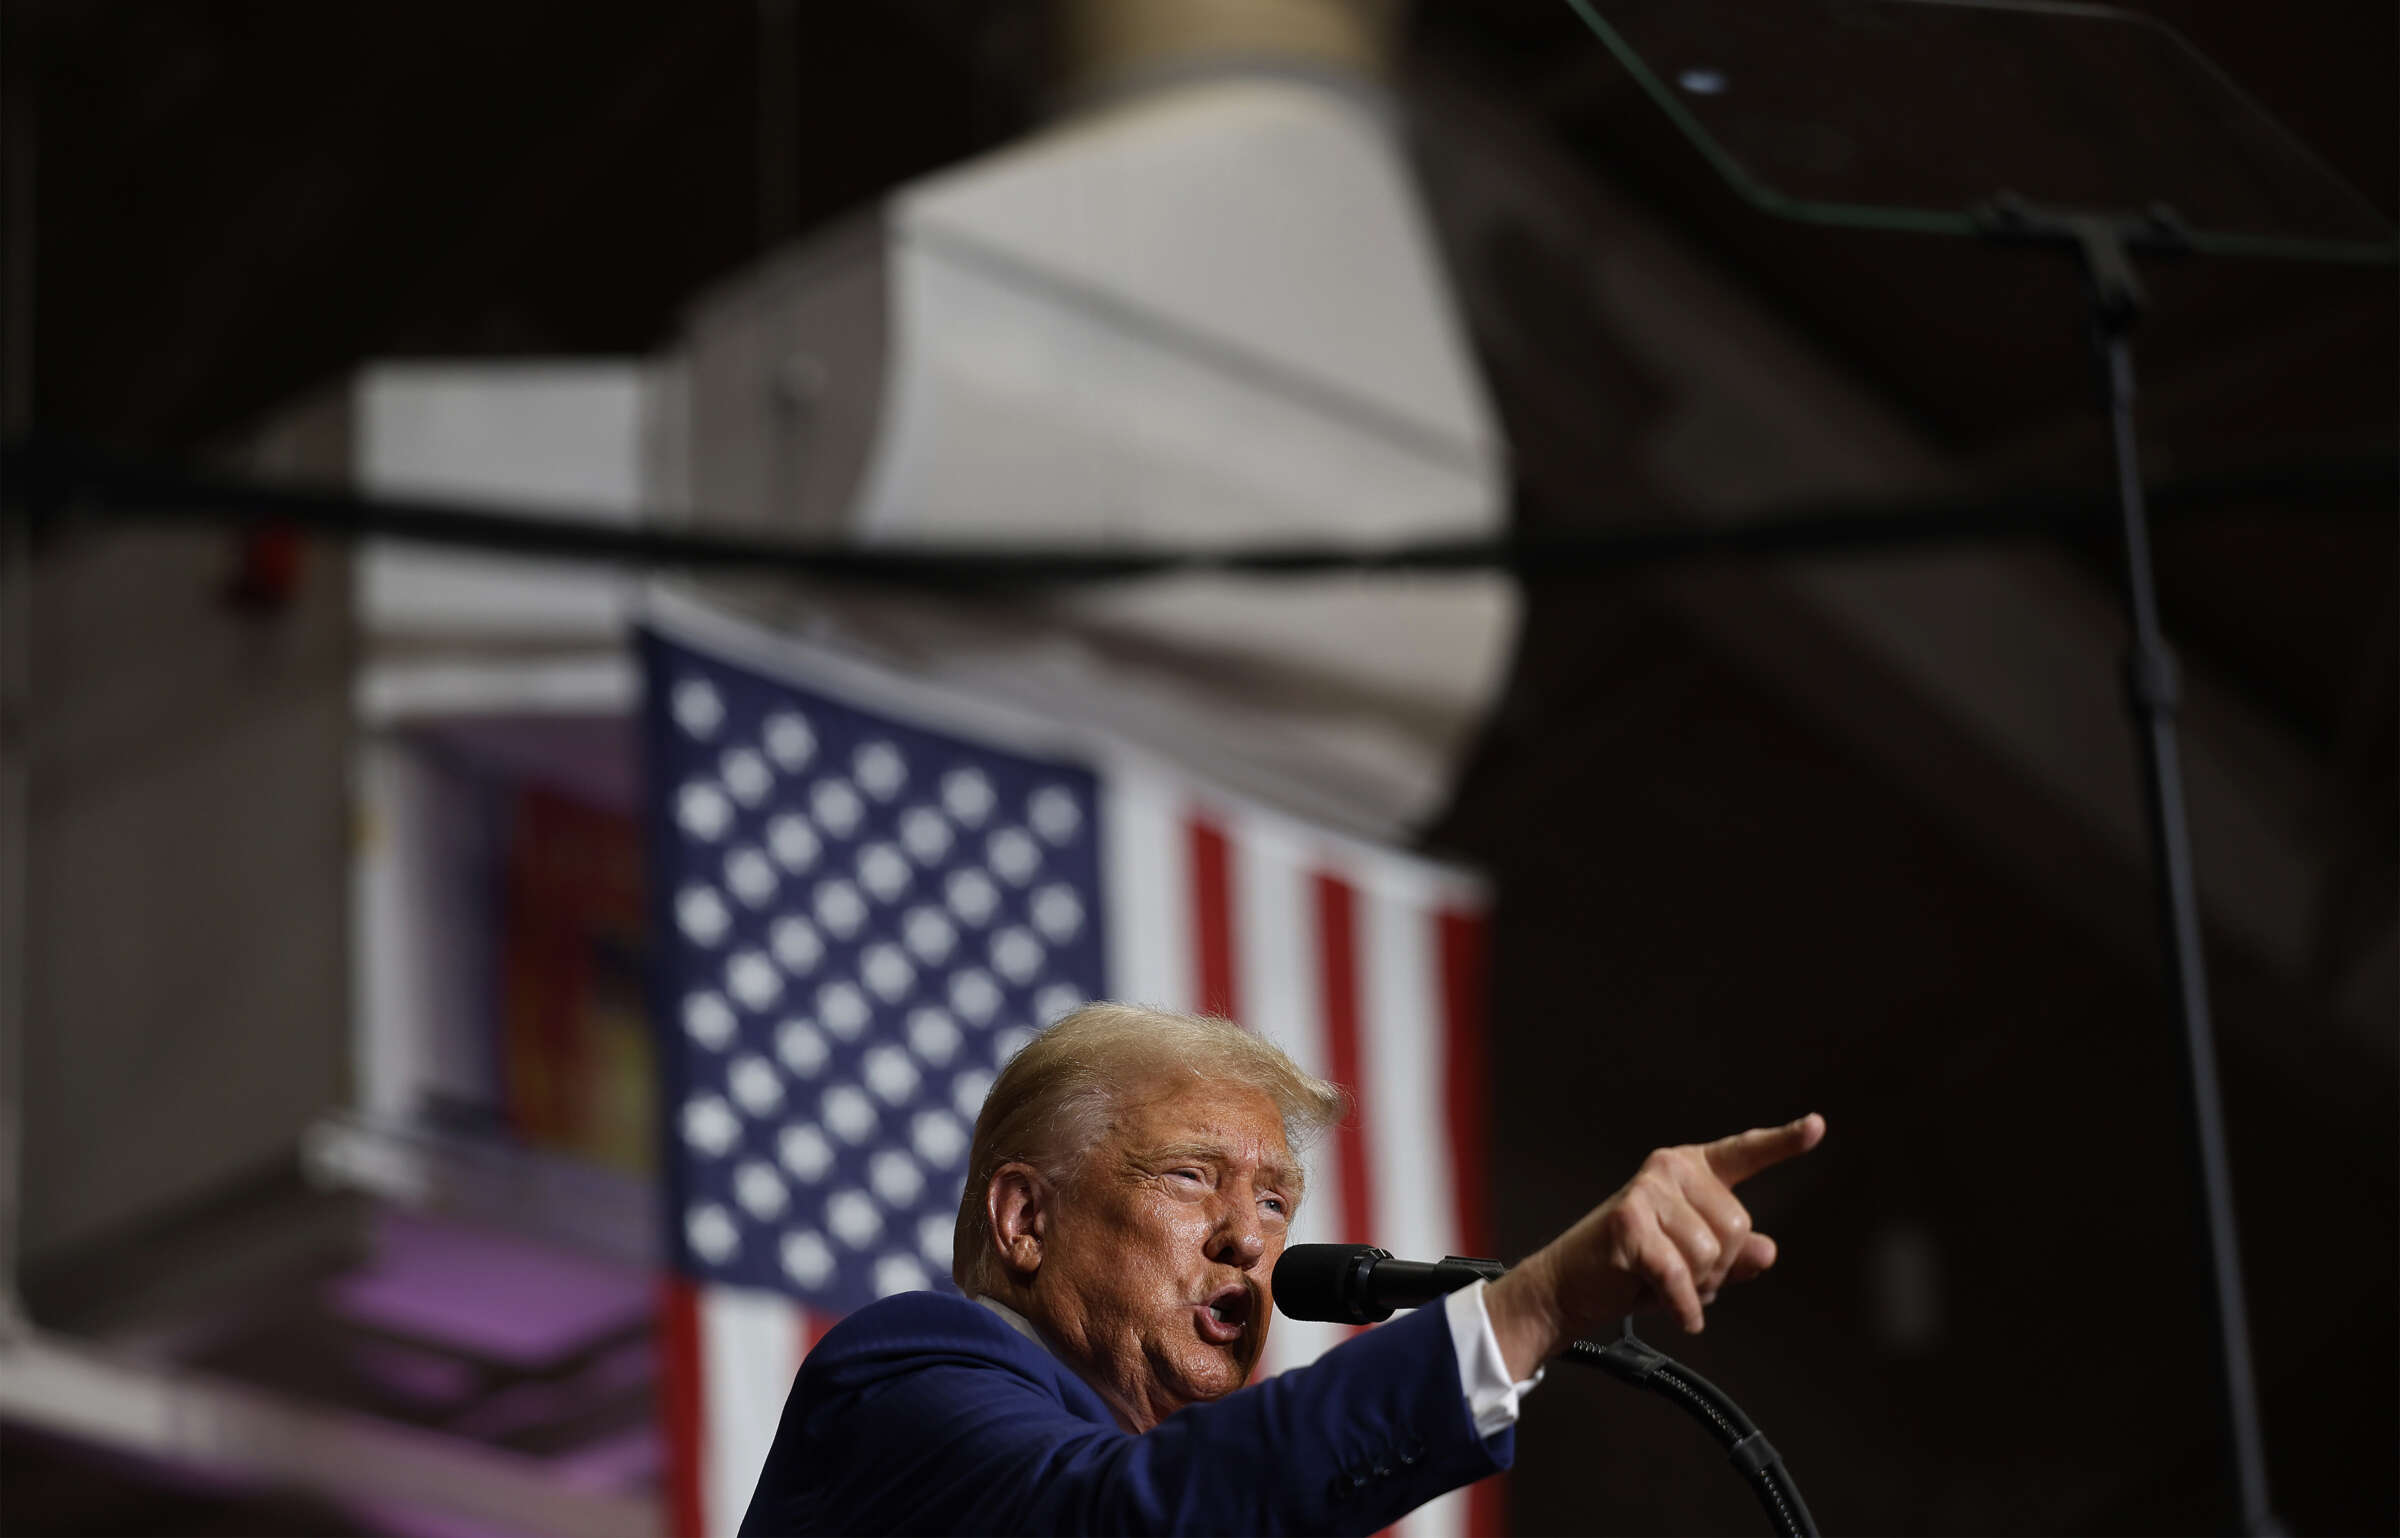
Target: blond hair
1055,1100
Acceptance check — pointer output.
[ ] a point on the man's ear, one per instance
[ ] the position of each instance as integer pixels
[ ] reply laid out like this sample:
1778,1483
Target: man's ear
1018,1204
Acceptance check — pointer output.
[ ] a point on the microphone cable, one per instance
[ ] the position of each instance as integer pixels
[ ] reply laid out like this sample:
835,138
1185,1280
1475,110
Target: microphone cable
1632,1360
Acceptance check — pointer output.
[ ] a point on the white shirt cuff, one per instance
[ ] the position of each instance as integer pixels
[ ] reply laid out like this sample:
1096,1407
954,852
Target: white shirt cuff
1492,1396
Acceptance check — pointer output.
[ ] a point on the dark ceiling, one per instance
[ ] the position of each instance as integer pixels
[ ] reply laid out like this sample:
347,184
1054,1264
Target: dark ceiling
236,202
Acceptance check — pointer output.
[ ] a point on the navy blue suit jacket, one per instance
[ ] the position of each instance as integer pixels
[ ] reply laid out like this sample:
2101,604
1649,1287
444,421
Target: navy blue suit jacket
927,1413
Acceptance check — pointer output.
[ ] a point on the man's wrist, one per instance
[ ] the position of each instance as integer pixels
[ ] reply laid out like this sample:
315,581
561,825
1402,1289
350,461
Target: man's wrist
1523,1309
1493,1393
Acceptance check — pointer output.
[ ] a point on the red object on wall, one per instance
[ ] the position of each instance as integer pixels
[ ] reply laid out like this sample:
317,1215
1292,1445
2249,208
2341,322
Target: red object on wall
267,568
575,1043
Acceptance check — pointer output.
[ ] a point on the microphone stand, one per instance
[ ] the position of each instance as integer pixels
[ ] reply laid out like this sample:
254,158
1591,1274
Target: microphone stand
2104,246
1631,1360
1628,1359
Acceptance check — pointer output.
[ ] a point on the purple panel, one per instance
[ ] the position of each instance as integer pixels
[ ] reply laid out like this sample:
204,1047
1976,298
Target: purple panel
430,1380
488,1294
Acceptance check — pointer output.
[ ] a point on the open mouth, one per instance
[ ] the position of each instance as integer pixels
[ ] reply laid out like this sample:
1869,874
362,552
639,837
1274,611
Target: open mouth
1225,1315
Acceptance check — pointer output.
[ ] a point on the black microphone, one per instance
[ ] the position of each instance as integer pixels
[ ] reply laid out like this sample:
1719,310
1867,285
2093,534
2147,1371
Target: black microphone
1360,1284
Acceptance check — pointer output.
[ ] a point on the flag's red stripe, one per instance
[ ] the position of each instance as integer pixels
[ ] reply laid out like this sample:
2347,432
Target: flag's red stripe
1337,962
814,1323
1466,1088
1487,1507
680,1392
1212,919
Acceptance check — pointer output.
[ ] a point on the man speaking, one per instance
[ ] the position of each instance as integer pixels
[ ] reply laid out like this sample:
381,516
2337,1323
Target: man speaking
1132,1180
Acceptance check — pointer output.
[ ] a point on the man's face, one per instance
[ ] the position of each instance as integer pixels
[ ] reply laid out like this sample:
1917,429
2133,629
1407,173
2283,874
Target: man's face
1155,1268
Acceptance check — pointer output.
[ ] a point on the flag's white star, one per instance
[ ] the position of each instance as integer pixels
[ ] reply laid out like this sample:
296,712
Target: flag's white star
1054,814
807,1258
850,1113
884,968
967,1092
796,944
925,833
972,896
884,871
802,1048
1058,912
752,978
933,1036
1017,954
1014,855
843,1009
897,1273
938,1138
974,995
891,1074
702,811
804,1151
709,1020
967,796
854,1218
880,769
836,807
760,1191
789,741
746,775
1056,1002
794,842
895,1177
929,934
700,914
712,1233
709,1125
839,908
696,707
750,876
754,1084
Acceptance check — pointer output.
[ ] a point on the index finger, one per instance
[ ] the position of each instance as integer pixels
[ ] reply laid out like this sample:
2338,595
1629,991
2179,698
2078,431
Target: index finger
1744,1154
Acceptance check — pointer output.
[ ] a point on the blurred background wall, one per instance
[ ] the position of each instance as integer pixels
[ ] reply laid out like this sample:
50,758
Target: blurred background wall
325,983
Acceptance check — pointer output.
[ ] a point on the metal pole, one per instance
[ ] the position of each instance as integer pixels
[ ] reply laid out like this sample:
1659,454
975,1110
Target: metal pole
2150,669
16,689
778,125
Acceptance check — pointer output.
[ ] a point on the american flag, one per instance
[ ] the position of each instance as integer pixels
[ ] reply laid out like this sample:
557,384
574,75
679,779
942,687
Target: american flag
871,892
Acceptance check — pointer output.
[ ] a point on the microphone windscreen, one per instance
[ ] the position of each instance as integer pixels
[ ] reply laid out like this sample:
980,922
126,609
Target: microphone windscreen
1321,1282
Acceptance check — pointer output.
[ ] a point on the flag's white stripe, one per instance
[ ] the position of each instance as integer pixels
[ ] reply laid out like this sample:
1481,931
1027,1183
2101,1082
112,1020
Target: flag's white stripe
1402,1062
750,1344
1282,999
1146,865
1445,1516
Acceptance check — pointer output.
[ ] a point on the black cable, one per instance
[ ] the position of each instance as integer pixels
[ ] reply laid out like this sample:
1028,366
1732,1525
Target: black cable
1634,1361
52,482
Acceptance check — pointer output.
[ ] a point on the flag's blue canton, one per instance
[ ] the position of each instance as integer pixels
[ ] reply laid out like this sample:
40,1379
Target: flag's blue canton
864,921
